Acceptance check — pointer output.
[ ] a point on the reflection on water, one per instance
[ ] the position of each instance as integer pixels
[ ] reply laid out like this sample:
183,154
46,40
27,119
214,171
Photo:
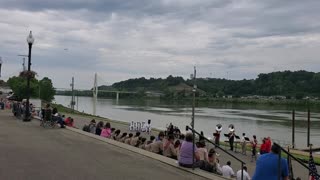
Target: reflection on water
260,120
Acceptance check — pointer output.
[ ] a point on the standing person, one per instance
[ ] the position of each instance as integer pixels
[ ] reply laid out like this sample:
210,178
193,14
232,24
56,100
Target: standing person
243,144
217,138
99,128
263,147
186,153
254,143
217,134
147,127
245,174
106,131
227,171
268,144
231,139
267,166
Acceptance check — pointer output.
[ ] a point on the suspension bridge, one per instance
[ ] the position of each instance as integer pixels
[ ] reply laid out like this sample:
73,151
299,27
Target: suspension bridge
95,89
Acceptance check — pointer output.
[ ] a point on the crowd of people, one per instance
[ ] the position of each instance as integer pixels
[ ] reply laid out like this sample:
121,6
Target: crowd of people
168,143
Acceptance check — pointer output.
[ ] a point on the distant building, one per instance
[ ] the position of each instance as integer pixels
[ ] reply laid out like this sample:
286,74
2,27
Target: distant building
153,94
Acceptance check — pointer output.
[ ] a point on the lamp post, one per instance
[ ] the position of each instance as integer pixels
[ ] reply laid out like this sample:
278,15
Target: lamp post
30,41
193,77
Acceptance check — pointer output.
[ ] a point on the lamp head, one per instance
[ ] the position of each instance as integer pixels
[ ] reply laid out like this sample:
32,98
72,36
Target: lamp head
30,38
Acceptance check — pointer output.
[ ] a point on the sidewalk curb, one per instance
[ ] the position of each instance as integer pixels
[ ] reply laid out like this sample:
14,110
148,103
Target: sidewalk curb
151,155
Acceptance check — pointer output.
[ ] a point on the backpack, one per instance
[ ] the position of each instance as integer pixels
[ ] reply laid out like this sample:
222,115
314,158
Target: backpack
86,128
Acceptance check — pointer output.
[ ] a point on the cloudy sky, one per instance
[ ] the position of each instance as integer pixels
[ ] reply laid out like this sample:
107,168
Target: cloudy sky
121,39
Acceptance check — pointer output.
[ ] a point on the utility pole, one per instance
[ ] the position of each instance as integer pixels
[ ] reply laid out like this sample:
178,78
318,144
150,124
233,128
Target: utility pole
72,94
23,62
0,65
193,76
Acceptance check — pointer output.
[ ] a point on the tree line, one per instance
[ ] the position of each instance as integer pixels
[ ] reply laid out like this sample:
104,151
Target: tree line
292,84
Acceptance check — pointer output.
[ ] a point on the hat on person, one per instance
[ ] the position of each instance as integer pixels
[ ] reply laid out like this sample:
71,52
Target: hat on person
56,114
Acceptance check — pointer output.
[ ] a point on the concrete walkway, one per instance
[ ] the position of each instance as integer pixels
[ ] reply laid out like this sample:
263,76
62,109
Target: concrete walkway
29,151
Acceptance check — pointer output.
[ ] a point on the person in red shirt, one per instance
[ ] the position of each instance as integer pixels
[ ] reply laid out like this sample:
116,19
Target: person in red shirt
263,147
268,144
69,122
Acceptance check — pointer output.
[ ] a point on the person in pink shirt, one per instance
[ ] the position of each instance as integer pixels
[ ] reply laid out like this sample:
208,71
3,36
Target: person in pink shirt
106,131
69,122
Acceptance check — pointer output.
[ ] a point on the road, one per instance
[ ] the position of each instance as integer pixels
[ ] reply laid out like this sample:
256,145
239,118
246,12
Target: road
30,152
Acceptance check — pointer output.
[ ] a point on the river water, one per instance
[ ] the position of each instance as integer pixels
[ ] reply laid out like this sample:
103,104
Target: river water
260,120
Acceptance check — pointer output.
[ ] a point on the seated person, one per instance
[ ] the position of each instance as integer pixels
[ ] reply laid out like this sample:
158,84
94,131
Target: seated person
57,118
116,136
142,144
135,139
99,128
123,137
157,146
69,122
92,126
187,152
202,150
168,148
148,144
128,139
106,131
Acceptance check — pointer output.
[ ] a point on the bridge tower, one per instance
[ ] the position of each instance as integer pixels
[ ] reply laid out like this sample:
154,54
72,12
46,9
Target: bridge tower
95,93
95,86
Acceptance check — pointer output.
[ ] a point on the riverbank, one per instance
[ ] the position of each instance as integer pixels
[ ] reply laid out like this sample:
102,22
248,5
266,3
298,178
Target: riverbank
85,118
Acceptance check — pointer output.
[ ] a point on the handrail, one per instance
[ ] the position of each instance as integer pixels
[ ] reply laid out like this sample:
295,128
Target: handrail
289,154
242,163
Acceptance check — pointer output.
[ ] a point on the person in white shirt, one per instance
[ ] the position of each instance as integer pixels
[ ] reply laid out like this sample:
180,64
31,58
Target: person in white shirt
245,174
243,144
147,127
227,171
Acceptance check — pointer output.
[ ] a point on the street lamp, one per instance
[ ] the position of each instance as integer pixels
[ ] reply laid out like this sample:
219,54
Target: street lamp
30,41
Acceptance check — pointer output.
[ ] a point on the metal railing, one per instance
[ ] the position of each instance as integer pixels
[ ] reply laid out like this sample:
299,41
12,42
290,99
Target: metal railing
239,160
291,156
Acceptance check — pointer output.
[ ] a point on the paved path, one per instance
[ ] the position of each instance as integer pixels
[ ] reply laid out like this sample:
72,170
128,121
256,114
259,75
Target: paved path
28,151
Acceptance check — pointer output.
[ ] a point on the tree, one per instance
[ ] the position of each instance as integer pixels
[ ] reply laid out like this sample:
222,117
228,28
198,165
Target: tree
46,89
19,87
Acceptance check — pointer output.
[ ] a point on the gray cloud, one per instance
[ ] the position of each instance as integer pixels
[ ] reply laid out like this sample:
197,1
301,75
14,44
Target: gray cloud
121,39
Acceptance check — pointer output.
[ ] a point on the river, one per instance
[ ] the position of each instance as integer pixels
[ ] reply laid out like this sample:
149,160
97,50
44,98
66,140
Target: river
260,120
